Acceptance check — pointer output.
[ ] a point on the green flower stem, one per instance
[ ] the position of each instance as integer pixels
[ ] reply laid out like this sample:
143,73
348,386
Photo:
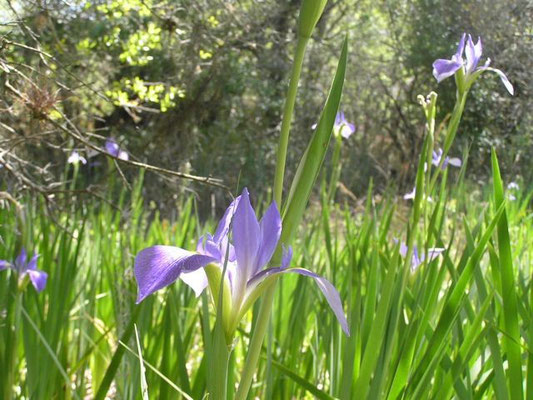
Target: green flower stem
336,167
451,131
287,118
254,351
12,342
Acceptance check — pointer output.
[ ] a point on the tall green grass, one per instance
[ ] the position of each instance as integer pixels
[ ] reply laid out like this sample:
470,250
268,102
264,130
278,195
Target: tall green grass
458,327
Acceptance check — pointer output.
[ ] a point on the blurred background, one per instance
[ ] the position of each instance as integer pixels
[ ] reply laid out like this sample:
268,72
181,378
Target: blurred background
198,87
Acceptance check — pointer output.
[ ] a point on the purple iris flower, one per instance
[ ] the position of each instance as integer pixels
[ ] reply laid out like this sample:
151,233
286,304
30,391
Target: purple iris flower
38,278
76,158
417,258
246,256
114,149
341,127
443,69
453,161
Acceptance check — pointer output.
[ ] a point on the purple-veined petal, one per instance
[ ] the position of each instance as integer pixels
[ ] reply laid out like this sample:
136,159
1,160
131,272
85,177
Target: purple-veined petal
454,161
332,295
159,266
38,279
503,78
443,69
197,280
20,261
473,54
325,286
208,247
270,232
4,264
224,224
246,237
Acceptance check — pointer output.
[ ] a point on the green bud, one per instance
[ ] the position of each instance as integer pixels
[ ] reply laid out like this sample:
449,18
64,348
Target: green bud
310,13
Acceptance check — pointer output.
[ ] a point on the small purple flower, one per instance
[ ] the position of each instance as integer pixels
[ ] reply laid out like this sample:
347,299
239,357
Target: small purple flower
114,149
417,258
75,158
247,254
37,277
341,127
453,161
443,69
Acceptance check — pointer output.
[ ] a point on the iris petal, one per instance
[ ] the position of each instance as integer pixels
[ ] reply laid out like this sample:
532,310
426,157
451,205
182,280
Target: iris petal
224,224
246,237
38,279
159,266
503,78
20,261
197,280
443,69
4,264
270,229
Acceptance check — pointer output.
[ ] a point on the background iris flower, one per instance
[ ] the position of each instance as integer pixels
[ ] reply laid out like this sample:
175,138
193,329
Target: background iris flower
113,148
443,69
417,258
245,256
453,161
22,267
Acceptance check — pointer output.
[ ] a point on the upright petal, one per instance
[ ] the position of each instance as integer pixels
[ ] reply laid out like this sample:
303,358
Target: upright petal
38,279
32,265
159,266
473,54
443,69
460,47
246,237
224,224
20,261
270,232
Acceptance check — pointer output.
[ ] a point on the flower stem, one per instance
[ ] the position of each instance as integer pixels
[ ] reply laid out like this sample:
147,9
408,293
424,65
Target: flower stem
287,118
254,351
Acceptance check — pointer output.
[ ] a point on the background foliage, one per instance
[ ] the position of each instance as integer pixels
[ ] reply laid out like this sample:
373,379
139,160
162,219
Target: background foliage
197,86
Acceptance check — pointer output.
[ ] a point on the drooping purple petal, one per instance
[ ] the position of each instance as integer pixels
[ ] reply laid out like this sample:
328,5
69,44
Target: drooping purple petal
75,158
473,54
332,295
4,264
159,266
38,279
503,78
433,253
246,237
329,291
270,232
197,280
443,69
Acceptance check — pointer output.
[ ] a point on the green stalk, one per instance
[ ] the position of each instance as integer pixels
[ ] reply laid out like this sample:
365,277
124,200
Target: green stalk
12,345
254,351
287,118
336,167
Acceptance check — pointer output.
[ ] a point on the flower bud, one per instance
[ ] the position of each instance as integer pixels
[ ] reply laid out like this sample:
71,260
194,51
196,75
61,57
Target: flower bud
310,13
